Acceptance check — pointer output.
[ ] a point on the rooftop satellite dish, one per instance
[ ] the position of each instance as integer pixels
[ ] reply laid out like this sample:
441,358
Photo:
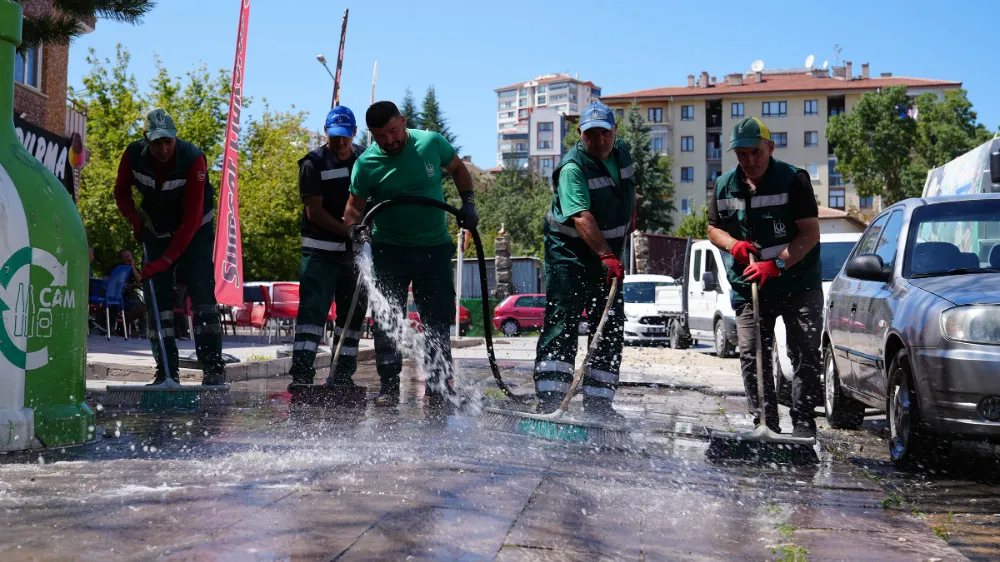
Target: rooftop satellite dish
809,61
825,64
757,65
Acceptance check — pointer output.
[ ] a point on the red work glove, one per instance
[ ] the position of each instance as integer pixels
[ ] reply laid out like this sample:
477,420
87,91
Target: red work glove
136,223
761,271
741,251
155,267
615,268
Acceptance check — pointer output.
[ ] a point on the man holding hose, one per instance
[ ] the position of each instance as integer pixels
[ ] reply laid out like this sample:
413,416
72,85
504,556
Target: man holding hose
592,210
410,243
766,208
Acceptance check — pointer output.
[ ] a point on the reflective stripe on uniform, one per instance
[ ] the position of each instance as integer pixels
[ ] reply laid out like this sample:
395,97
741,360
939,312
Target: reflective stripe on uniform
731,204
554,366
167,333
173,184
208,217
552,386
603,376
349,351
323,245
311,329
388,359
769,200
143,179
571,232
598,392
334,174
305,345
772,252
351,334
598,183
166,315
626,172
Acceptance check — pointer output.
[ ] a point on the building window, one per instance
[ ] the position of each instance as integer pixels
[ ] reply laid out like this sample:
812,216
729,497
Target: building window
687,175
507,104
812,138
523,92
507,115
737,111
521,147
837,198
812,107
686,206
687,113
813,170
558,97
619,114
655,114
544,145
508,94
540,90
541,100
774,109
545,127
780,140
522,113
522,102
866,202
687,144
657,144
559,86
28,69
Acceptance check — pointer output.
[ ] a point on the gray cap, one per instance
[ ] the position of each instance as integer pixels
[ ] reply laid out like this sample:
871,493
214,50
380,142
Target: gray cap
160,125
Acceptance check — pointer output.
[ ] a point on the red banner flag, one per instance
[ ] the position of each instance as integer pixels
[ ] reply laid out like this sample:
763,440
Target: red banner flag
228,245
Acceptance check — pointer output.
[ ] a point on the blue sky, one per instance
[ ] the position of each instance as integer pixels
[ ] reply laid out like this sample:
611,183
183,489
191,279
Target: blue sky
466,49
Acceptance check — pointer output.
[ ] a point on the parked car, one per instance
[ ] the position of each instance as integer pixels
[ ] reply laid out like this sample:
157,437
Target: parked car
913,326
519,312
833,251
643,324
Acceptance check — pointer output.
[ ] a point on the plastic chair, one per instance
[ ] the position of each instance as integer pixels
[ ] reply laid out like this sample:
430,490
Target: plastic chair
260,307
284,304
331,321
114,289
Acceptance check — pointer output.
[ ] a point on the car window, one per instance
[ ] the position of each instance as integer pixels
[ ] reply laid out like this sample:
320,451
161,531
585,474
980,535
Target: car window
954,238
697,265
870,240
887,245
526,302
832,256
710,264
540,302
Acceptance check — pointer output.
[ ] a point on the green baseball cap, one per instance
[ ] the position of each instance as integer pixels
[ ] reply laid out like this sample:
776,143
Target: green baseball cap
159,125
748,132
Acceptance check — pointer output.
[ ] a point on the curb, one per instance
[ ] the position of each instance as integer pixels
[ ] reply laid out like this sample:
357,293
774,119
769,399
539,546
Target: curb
235,372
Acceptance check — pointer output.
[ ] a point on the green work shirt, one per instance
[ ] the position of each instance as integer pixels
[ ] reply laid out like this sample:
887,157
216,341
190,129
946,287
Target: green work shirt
414,171
574,193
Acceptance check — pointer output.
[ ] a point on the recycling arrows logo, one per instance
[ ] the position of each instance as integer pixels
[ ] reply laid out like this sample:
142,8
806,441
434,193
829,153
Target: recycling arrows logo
26,256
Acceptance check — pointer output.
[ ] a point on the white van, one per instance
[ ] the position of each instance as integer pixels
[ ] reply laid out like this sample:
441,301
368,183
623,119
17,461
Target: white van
643,324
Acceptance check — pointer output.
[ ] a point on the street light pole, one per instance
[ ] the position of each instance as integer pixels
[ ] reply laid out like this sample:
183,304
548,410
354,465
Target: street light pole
322,60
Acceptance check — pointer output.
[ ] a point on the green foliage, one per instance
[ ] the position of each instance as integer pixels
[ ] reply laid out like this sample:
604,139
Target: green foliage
651,172
432,118
409,110
518,202
572,137
270,208
62,27
695,225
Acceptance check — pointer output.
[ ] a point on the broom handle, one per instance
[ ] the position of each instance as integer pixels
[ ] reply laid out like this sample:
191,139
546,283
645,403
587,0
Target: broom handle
156,317
759,351
347,324
594,342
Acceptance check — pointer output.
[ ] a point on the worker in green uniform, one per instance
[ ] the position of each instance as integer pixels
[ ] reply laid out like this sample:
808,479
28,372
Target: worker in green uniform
767,208
410,243
328,271
175,223
585,230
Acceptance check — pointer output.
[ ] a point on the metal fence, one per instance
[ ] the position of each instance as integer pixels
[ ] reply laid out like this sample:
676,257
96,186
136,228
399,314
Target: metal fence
527,276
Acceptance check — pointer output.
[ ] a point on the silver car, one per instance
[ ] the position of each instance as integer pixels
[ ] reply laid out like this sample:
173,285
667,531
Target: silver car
913,326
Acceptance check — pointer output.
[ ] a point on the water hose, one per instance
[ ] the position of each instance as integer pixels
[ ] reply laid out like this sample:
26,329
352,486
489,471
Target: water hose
484,288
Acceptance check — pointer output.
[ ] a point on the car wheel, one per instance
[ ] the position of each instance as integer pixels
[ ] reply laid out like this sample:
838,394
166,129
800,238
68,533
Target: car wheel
842,411
723,348
679,338
910,444
782,386
510,328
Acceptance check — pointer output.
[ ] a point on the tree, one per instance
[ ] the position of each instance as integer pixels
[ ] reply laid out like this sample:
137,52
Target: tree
432,118
651,172
270,208
572,136
62,25
695,225
873,143
409,110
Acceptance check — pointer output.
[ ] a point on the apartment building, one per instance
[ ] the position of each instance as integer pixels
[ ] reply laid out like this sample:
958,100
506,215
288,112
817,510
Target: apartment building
692,123
534,116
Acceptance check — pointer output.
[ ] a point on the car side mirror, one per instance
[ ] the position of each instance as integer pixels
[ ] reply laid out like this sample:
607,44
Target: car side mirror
708,281
995,167
868,267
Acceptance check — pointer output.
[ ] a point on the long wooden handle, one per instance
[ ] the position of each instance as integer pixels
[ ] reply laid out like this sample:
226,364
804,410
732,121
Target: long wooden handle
758,344
594,342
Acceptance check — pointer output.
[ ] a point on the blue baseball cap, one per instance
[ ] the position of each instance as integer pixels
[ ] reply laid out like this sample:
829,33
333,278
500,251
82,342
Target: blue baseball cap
340,122
597,115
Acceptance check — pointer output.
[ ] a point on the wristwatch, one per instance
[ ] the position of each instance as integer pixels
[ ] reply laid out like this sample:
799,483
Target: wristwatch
780,263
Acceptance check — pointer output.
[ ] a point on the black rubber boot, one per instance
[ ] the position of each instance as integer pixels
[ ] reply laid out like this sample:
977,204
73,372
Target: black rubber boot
388,394
772,424
601,408
548,402
214,379
161,378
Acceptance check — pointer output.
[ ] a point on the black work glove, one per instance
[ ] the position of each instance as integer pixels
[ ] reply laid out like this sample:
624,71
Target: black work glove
359,235
468,217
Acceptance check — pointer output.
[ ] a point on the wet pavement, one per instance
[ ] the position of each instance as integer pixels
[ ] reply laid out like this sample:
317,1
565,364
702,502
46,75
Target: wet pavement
271,480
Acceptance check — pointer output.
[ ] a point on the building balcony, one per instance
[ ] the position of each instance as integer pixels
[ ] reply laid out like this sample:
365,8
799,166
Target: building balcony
713,121
836,180
712,153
